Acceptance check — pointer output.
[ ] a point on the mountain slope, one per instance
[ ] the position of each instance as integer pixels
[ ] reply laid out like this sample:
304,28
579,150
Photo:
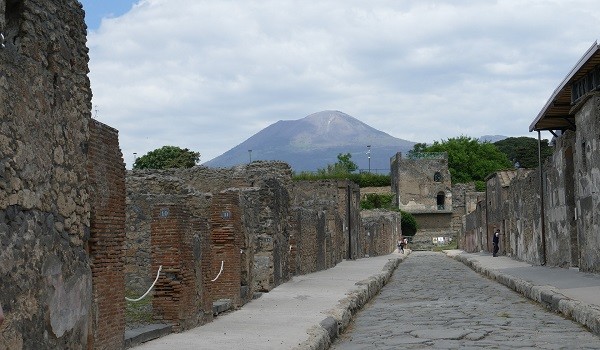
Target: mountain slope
315,141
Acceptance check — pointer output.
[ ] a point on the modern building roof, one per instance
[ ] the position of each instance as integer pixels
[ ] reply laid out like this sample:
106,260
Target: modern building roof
557,113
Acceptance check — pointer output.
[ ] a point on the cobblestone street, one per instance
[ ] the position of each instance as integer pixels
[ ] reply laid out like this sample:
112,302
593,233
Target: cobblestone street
434,302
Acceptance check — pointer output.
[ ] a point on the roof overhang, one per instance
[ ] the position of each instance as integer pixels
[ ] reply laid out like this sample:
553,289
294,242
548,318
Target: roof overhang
556,114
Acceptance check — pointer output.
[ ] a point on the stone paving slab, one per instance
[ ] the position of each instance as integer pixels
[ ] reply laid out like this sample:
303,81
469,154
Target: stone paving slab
574,294
307,312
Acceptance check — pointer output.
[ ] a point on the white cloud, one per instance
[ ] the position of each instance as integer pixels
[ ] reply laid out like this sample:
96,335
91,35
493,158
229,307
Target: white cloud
206,75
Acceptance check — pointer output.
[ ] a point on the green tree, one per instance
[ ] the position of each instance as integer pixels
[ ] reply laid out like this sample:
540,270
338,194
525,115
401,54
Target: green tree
344,165
417,148
167,157
470,160
524,150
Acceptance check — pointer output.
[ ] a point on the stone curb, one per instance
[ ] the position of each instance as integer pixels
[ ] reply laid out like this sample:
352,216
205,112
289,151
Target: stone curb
321,336
583,313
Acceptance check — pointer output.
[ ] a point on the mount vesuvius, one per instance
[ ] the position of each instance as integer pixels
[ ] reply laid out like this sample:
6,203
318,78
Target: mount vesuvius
314,141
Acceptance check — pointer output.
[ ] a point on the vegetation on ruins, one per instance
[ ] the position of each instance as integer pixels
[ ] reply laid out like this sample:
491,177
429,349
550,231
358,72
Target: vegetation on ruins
385,201
524,150
468,159
344,168
344,165
167,157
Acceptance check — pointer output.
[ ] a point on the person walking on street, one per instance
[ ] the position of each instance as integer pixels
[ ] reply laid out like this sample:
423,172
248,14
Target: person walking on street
496,242
401,246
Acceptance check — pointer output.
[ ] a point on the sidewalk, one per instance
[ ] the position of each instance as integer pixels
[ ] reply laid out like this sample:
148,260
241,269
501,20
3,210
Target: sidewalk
307,312
574,294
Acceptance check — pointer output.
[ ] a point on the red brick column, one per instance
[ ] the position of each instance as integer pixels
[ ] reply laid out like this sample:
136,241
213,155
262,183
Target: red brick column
172,248
225,220
106,174
205,273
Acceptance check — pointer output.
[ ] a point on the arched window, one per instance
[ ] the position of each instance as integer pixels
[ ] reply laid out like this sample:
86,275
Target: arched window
437,177
441,198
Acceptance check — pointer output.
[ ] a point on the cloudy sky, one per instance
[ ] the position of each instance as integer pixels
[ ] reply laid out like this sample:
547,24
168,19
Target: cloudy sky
207,75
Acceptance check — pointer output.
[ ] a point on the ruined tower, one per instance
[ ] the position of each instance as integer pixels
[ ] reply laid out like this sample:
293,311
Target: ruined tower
423,187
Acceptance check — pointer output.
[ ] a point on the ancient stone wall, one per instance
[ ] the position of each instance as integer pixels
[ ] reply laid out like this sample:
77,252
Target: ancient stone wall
183,292
265,219
382,230
523,229
559,199
144,191
419,182
326,226
587,182
364,191
497,207
459,204
46,280
257,200
473,238
519,214
106,171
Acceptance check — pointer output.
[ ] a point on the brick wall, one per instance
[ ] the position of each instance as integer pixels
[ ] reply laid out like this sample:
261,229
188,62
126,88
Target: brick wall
175,299
226,243
106,173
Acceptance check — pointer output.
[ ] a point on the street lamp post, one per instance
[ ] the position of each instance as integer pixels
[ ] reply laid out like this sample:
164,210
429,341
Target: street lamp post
369,156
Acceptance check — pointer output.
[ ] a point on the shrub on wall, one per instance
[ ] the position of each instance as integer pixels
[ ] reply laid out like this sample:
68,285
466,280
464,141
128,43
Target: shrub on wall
363,179
408,224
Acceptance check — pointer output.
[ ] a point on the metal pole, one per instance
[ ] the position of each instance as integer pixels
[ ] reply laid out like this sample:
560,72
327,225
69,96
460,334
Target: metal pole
542,212
369,155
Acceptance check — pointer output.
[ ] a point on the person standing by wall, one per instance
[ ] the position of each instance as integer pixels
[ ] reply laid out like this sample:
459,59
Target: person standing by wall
496,242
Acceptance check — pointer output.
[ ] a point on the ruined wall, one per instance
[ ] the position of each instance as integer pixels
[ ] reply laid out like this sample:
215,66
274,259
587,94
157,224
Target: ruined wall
349,204
587,185
227,238
144,191
418,182
255,258
106,171
459,204
473,238
175,249
145,239
307,227
517,210
523,227
364,191
559,199
265,219
382,231
496,196
313,206
46,281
